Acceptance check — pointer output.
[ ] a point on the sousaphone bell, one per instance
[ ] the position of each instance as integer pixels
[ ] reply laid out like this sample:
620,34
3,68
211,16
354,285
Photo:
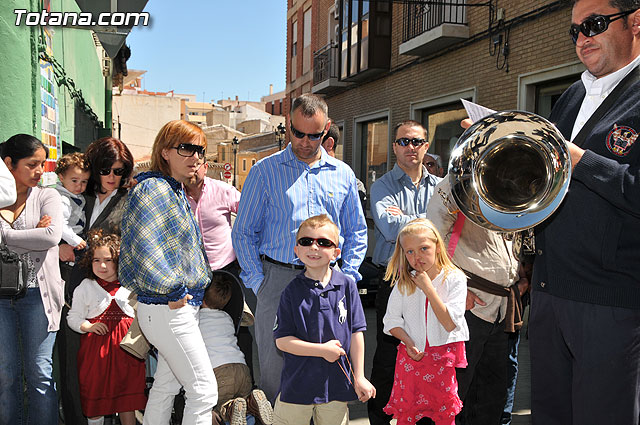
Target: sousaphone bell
510,171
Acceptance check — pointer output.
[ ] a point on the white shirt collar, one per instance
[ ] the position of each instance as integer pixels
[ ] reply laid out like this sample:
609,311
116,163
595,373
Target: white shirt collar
604,85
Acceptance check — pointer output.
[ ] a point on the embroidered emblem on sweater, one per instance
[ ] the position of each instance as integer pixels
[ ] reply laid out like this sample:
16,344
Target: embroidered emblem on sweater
620,140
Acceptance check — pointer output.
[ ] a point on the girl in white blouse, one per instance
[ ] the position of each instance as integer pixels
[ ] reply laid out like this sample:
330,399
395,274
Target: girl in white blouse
111,380
426,313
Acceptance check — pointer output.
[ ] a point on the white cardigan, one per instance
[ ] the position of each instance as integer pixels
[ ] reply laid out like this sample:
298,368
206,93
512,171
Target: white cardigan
407,312
91,300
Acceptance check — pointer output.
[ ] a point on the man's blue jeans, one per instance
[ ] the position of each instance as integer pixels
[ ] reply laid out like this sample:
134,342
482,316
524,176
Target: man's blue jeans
26,347
512,376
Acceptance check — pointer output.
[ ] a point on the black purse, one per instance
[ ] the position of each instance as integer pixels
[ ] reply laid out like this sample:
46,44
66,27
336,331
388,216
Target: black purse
13,273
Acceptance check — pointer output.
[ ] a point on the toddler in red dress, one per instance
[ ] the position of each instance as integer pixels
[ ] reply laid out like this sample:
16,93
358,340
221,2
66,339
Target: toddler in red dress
111,380
426,313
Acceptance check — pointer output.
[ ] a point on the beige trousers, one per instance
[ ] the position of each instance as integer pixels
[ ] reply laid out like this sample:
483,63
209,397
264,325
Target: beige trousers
332,413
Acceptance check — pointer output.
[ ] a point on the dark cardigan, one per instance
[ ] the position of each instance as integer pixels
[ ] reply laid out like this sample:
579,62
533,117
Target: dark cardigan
589,250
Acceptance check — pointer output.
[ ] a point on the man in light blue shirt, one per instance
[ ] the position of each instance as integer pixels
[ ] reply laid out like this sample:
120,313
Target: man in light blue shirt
397,197
281,191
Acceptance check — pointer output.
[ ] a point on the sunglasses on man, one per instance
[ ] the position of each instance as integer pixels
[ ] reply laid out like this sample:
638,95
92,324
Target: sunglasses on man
404,141
188,150
300,135
321,242
117,171
595,25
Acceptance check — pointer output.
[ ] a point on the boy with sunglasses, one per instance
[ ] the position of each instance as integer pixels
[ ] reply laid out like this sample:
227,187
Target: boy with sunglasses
320,319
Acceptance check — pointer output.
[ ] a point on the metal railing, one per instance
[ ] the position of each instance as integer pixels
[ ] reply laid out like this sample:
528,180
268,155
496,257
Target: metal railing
419,18
325,63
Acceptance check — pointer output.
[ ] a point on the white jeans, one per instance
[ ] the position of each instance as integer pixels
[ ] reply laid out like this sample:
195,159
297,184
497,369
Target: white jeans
182,361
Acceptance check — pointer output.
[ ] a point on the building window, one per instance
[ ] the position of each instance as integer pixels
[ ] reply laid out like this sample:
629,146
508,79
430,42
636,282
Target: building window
546,94
339,151
306,41
294,39
222,158
358,51
294,50
244,165
373,150
443,127
253,162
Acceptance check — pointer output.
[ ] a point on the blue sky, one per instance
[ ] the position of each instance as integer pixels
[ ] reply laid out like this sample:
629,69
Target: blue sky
219,48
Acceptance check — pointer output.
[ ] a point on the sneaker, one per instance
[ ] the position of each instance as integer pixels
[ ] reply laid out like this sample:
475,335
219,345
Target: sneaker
237,413
259,407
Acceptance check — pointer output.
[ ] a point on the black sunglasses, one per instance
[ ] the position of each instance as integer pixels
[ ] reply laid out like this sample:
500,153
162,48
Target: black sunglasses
188,150
430,164
322,242
404,141
117,171
595,25
300,135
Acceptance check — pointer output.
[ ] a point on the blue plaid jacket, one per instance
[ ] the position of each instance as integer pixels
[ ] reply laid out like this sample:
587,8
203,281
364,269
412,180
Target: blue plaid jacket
161,256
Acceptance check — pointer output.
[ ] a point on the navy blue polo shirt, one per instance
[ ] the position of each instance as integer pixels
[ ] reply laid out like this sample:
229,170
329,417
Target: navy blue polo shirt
315,314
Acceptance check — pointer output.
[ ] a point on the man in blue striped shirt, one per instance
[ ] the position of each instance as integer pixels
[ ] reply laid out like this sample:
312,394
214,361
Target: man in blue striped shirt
281,191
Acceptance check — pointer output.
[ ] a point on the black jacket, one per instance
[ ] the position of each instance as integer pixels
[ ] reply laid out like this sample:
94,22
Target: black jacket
589,249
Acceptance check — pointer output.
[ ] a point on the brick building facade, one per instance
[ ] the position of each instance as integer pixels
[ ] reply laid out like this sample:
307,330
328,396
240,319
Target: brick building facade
380,62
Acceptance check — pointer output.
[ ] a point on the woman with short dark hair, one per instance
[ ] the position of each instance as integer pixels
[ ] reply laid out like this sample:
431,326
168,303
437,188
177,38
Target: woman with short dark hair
110,164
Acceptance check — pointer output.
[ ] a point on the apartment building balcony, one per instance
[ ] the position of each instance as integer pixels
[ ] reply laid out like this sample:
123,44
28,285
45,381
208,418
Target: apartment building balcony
428,28
326,70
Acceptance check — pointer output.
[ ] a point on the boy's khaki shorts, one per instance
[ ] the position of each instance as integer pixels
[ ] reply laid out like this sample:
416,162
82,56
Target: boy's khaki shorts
332,413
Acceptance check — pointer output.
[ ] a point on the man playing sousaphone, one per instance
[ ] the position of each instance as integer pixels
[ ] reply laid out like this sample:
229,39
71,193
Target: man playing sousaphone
585,302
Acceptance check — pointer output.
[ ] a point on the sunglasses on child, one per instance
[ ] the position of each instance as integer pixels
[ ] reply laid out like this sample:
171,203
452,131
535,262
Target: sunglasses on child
300,135
595,25
188,150
321,242
117,171
405,141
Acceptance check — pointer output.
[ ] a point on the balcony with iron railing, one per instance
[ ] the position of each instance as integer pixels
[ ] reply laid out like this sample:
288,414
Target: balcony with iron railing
427,28
326,70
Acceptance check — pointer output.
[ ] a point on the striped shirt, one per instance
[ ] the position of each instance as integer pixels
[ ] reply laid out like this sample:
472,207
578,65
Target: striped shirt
161,255
279,194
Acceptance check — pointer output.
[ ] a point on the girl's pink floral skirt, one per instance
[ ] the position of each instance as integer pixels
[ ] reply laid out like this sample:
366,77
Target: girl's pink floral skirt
427,388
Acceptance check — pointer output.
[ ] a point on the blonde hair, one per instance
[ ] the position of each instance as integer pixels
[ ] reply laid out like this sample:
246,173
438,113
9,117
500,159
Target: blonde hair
399,270
170,135
319,221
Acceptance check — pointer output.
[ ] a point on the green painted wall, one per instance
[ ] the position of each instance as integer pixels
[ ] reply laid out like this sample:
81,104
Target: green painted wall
20,81
74,49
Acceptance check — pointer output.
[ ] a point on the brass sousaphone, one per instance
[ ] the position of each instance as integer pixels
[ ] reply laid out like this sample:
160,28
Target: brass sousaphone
510,171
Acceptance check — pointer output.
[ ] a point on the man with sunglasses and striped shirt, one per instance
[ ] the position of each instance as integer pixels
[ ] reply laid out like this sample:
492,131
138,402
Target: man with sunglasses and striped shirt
397,197
281,191
584,327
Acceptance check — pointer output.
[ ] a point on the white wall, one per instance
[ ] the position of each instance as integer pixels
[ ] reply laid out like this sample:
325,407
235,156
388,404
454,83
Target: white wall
141,117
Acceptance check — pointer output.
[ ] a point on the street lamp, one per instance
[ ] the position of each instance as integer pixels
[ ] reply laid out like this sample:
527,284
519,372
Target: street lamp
235,144
279,132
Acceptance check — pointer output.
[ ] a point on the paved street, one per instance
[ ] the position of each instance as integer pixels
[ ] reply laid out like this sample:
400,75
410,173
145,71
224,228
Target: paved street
522,408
